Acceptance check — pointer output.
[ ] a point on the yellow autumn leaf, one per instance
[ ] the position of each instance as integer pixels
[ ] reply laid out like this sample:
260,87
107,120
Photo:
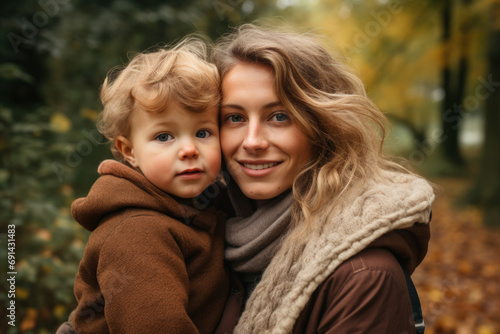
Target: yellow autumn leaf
46,268
29,321
22,264
89,114
59,311
60,123
436,295
46,254
66,190
485,329
22,293
78,244
44,235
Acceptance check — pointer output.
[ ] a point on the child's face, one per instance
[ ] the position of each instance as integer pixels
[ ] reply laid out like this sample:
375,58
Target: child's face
177,150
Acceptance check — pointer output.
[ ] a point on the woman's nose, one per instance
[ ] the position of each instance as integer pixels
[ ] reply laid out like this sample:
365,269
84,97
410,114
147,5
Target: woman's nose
255,139
188,151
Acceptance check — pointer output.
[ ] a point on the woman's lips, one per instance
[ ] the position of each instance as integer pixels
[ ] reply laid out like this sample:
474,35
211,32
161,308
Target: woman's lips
258,168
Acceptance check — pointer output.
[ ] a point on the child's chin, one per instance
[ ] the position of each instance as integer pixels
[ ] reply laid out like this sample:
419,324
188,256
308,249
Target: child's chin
189,193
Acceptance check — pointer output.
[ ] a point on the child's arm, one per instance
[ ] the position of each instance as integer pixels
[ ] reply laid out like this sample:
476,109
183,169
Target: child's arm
143,279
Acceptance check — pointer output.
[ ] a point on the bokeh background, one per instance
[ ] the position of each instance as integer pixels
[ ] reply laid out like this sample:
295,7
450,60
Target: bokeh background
432,66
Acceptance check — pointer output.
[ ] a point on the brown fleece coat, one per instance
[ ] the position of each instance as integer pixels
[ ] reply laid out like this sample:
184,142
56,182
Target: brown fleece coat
151,265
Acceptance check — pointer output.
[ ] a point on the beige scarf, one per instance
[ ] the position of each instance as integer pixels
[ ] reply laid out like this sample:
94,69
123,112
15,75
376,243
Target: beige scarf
253,236
365,213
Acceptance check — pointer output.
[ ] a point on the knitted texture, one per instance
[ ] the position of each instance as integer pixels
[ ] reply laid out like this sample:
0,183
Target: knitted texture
363,214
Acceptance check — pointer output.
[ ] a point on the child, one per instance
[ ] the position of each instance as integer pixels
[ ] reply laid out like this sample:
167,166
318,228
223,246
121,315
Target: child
153,264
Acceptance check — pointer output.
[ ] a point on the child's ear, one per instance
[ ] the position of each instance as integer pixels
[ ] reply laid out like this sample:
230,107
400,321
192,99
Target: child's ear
126,149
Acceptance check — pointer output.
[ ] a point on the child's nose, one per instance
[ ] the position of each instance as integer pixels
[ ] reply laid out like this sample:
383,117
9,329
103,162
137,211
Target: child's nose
188,151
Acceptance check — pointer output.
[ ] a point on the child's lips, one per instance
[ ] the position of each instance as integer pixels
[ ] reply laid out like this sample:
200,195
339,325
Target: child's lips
190,173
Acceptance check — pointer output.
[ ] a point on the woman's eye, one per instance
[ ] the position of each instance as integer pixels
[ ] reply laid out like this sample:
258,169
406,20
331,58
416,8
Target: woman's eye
235,118
164,137
280,117
203,134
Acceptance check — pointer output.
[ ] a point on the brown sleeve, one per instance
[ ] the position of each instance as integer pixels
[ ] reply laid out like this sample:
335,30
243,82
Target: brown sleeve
142,278
366,294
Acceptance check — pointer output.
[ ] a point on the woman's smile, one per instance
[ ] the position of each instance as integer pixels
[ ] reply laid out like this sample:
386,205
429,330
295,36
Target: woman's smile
259,168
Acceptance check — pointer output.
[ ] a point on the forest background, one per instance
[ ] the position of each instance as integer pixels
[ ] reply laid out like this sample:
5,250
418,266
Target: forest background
432,66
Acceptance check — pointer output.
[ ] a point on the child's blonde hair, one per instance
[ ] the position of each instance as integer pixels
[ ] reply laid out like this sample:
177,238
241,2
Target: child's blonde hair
152,80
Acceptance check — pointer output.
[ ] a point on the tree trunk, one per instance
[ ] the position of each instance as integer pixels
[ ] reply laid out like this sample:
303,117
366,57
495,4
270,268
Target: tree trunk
486,191
452,103
451,114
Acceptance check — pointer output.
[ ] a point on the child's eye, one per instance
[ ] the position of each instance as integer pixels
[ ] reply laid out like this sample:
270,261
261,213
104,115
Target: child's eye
164,137
235,118
203,134
280,117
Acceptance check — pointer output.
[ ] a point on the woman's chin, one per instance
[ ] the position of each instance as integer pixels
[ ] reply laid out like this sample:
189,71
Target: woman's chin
263,193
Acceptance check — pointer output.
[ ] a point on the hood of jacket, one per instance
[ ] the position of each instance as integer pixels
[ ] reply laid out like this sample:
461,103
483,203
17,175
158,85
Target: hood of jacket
382,212
121,187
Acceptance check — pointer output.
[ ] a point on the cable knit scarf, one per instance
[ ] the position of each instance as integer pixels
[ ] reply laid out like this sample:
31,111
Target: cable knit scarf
363,214
253,236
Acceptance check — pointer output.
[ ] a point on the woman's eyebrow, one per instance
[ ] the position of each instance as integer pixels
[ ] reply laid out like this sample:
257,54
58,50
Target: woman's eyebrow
266,106
273,104
230,105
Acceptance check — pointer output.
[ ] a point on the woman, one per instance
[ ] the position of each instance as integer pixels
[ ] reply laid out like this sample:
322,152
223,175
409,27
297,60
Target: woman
324,221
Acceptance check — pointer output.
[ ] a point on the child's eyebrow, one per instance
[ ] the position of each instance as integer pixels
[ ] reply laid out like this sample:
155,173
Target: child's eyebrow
163,123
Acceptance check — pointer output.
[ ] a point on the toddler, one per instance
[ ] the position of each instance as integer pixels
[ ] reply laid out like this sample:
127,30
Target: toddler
153,263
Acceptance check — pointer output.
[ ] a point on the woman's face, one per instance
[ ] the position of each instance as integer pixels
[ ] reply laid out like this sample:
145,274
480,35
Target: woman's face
261,143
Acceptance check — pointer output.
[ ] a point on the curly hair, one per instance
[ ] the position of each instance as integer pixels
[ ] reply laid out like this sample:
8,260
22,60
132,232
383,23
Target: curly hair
152,80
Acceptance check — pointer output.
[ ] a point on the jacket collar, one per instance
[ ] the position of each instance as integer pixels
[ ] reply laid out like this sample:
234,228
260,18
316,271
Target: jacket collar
120,187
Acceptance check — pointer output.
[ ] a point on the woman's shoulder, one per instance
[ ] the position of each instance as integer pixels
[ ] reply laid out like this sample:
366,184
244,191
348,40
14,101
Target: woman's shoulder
368,267
372,278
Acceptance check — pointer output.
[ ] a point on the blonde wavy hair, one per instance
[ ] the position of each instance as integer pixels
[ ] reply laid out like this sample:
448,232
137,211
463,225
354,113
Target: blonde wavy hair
328,103
155,78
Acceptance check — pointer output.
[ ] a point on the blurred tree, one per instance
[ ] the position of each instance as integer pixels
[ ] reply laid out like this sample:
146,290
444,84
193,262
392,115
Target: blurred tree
397,62
451,115
486,191
420,62
454,75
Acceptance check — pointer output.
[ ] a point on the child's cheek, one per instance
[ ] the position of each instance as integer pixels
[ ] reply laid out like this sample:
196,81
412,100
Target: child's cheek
214,159
161,166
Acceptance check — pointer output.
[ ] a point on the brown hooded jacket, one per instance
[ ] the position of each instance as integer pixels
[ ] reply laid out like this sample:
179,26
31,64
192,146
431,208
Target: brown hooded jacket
151,265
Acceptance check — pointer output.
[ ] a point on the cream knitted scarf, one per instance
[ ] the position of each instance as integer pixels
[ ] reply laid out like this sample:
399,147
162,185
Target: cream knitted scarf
364,213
